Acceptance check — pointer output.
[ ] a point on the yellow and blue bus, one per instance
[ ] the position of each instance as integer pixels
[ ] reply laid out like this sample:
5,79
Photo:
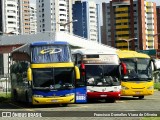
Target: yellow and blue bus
43,73
138,81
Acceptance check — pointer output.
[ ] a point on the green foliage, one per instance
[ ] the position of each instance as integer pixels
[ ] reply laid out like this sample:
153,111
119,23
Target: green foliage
157,85
150,118
19,67
4,97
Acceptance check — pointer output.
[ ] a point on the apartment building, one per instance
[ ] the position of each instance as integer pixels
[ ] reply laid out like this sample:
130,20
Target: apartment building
128,19
9,16
158,30
33,19
52,15
24,16
88,15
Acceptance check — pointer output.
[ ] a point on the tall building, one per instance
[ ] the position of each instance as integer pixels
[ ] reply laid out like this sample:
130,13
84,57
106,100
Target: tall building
88,15
24,16
158,25
33,19
128,19
14,16
54,15
158,30
9,16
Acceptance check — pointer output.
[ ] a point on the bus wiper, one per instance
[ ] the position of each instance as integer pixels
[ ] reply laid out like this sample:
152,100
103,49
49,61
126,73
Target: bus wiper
41,88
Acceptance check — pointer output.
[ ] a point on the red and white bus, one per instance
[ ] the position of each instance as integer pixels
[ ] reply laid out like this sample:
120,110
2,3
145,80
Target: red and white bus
100,72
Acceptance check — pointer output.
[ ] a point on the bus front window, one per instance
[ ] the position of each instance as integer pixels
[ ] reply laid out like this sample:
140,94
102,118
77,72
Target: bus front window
138,69
144,69
101,75
49,78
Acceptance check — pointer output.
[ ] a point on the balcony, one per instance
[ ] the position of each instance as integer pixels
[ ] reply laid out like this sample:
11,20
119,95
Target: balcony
122,21
122,26
122,15
121,9
122,32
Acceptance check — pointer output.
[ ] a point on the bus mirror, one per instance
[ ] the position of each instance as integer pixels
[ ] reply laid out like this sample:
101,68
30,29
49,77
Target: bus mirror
29,74
82,68
77,72
156,64
124,68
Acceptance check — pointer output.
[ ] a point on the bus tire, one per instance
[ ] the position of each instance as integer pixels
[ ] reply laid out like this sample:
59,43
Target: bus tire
141,97
111,100
29,104
15,96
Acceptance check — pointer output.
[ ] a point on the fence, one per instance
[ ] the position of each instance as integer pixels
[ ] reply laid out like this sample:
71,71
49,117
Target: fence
5,83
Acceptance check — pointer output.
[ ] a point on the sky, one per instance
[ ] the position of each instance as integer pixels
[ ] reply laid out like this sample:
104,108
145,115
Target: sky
156,1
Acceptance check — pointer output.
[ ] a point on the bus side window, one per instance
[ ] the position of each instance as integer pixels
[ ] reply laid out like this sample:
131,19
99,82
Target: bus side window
74,58
79,60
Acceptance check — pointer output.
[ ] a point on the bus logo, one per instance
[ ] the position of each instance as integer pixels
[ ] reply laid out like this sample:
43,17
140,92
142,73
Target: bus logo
51,51
51,86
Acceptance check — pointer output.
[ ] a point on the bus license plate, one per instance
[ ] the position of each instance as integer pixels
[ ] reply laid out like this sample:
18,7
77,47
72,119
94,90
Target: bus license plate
103,95
54,100
137,93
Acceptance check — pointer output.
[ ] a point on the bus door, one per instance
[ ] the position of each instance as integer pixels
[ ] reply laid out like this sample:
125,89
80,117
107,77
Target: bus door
81,89
80,85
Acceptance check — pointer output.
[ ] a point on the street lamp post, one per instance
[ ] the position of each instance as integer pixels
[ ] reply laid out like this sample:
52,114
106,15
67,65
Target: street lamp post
65,24
128,40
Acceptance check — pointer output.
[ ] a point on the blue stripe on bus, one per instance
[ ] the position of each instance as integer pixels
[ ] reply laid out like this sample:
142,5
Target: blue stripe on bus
53,93
49,42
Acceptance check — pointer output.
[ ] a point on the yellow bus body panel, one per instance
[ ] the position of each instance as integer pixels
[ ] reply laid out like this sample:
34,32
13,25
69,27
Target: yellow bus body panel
53,100
52,65
135,88
131,54
141,88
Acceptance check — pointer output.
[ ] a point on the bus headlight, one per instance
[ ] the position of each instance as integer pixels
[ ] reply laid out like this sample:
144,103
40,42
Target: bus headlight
124,88
117,89
70,94
37,95
150,88
90,90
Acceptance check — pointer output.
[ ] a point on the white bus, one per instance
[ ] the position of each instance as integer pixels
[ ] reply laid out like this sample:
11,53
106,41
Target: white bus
100,72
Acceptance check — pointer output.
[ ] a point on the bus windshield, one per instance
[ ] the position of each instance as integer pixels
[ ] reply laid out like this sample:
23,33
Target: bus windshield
50,54
102,75
138,69
53,78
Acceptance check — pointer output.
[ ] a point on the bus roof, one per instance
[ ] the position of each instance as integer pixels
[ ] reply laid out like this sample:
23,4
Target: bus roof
25,51
49,42
91,51
25,47
131,54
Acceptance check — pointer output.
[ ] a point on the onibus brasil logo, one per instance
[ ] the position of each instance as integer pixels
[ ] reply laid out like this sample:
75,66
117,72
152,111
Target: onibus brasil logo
51,51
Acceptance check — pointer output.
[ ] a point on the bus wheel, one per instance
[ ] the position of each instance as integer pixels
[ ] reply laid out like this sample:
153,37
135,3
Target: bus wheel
111,100
63,105
91,100
15,96
28,103
141,97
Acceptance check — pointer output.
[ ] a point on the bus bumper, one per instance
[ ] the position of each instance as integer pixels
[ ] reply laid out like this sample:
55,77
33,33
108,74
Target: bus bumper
136,92
103,95
53,100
